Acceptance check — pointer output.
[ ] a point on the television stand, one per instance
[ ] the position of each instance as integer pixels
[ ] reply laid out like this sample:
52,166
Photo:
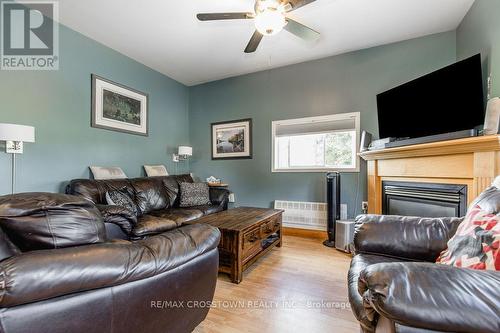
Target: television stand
433,138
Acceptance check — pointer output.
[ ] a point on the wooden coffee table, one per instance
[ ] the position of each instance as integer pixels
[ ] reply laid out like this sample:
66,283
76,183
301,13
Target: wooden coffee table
247,234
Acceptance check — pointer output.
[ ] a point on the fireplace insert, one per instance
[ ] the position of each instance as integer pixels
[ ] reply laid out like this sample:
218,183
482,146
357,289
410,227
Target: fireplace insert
423,199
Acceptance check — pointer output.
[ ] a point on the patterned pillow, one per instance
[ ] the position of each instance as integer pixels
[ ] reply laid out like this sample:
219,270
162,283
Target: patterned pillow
476,242
122,198
194,194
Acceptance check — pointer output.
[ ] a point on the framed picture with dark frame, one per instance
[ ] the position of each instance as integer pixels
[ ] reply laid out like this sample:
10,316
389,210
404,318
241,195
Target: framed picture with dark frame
119,108
232,139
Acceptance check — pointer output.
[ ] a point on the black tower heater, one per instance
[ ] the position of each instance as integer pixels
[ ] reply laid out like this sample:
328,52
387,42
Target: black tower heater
333,202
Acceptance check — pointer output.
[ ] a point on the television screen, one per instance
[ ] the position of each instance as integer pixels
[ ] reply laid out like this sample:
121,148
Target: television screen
448,100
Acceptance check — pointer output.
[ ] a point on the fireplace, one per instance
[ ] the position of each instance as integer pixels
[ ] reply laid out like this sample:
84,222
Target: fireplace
423,199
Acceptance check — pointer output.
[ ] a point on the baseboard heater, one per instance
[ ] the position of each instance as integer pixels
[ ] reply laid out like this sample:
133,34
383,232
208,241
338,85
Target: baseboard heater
303,215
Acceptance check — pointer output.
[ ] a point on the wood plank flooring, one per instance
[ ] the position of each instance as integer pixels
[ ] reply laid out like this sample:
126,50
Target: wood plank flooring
300,287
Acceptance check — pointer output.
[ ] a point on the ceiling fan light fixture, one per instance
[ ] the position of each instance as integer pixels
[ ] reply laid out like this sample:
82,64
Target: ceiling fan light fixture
269,17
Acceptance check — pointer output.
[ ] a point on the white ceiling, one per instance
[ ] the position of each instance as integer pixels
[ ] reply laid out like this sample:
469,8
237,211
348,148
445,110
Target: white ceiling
166,36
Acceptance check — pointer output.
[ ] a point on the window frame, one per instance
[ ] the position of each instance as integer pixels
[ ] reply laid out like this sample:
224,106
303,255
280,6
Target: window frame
332,117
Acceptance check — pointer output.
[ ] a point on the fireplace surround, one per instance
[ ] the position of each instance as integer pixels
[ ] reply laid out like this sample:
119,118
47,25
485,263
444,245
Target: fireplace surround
474,162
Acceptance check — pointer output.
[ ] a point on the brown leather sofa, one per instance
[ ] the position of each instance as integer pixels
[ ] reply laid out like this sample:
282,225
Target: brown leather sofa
63,268
395,286
157,199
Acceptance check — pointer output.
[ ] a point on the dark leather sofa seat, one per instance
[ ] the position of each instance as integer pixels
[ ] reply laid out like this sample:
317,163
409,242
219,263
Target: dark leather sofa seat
98,284
157,198
395,285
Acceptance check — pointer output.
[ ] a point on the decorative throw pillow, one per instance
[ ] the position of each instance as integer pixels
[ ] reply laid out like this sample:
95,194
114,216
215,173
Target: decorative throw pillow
476,242
122,198
194,194
155,170
101,173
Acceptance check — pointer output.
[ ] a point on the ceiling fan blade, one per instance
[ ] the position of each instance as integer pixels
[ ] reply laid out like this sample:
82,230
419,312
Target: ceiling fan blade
254,42
301,30
224,16
295,4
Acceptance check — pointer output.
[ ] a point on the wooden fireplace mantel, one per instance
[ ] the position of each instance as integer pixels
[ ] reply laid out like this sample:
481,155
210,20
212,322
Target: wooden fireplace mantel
474,162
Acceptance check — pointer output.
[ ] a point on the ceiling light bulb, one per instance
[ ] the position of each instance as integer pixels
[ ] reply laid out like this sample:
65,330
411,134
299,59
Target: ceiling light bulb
270,18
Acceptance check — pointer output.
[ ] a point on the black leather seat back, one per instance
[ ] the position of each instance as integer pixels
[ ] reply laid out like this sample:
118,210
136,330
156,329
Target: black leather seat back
95,190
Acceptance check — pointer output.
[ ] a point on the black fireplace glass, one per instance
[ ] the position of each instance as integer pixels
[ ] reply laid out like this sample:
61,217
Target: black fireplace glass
423,199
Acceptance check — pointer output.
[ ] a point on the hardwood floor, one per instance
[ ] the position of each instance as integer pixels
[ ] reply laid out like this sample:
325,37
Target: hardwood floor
300,287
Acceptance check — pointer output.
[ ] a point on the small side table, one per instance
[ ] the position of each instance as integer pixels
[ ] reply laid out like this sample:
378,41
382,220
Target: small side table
223,186
220,185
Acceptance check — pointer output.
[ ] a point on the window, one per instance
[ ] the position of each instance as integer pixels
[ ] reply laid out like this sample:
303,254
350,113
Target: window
316,144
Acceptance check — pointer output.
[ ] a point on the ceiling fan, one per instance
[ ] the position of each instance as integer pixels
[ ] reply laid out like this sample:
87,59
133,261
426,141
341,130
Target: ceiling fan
270,18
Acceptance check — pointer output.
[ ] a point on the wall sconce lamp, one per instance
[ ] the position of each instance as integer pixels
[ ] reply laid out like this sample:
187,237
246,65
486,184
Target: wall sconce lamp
14,136
183,153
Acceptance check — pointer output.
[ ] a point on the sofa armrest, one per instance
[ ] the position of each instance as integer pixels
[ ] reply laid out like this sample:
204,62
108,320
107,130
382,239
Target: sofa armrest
39,275
406,237
433,296
121,216
219,197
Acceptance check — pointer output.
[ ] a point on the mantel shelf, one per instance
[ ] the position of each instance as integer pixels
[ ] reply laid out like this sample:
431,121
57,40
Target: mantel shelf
449,147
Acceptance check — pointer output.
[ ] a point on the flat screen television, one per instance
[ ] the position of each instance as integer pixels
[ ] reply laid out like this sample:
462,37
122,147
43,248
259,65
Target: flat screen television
448,100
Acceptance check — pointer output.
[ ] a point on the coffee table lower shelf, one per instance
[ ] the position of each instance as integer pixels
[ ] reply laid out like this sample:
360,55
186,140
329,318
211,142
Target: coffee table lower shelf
235,269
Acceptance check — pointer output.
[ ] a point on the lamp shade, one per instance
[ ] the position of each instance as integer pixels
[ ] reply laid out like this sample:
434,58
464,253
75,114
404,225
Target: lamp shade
13,132
185,151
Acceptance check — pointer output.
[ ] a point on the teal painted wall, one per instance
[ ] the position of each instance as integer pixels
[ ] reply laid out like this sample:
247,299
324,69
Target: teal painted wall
58,104
344,83
479,32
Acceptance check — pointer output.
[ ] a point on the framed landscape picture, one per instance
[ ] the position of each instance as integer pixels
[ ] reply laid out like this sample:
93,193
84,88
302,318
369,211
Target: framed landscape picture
119,108
232,139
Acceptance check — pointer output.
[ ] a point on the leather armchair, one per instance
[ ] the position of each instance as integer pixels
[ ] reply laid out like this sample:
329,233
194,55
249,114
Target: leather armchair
395,286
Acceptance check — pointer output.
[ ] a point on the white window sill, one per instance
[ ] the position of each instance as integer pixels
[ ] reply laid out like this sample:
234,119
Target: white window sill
322,170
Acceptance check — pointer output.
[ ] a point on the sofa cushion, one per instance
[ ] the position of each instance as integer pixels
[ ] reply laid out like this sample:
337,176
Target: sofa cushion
41,275
119,216
7,248
208,209
35,221
123,198
194,194
433,298
150,194
358,264
172,184
163,220
95,190
419,238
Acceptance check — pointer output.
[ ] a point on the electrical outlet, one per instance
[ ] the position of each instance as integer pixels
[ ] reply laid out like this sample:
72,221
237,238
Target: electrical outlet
364,206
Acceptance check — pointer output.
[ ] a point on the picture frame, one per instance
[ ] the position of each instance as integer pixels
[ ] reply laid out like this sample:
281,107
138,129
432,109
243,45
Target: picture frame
119,108
232,139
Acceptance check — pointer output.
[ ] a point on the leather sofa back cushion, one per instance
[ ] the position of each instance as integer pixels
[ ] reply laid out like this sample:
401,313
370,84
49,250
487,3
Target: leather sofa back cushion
7,249
36,221
123,198
150,194
172,186
95,190
406,237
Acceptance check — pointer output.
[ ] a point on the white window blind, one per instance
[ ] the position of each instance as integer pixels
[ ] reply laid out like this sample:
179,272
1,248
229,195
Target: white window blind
316,144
